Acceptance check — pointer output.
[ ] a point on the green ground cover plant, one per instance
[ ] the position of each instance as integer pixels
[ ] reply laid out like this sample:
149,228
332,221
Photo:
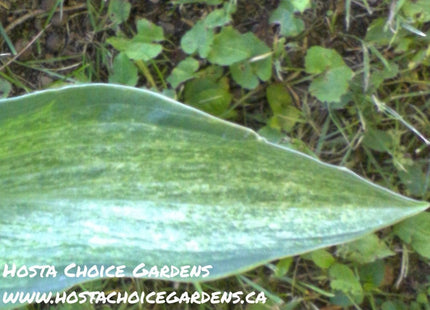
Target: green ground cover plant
342,81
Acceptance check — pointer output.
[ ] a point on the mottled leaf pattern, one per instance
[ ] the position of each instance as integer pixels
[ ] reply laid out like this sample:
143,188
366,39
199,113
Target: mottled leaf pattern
105,174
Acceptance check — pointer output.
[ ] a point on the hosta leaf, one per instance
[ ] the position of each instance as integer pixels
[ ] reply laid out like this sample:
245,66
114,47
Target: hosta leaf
113,175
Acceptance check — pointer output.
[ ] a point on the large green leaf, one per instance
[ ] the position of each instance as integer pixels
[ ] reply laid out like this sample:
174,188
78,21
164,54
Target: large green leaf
113,175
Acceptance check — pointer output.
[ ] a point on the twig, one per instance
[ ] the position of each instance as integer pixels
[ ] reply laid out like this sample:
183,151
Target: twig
404,266
25,48
22,19
36,13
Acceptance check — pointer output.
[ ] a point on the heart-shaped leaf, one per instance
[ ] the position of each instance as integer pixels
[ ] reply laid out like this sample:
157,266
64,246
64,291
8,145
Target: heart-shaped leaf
290,25
199,38
183,71
124,71
229,47
113,175
334,82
